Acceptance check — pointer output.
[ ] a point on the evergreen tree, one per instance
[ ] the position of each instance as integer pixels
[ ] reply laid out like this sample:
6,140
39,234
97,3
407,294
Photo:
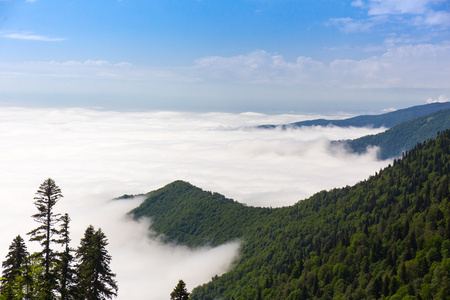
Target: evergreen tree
66,273
95,279
15,281
180,292
48,195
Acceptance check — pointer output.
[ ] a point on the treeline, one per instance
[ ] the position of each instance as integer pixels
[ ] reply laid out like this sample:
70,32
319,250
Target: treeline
386,237
65,273
403,136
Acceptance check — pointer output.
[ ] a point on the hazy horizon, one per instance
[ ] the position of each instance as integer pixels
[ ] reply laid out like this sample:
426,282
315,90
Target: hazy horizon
234,56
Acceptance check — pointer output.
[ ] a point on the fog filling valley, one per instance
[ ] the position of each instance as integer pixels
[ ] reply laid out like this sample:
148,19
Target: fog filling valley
95,156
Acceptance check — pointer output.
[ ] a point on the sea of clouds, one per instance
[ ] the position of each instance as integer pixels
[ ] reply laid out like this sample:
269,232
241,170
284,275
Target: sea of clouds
96,155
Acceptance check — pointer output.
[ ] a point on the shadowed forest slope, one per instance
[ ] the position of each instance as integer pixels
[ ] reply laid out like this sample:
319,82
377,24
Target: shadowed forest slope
403,136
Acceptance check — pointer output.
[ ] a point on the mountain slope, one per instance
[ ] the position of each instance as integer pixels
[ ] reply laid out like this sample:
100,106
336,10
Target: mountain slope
404,136
177,207
376,121
388,236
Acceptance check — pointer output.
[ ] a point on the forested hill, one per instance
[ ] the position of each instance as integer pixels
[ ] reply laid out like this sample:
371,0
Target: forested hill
376,121
188,215
403,136
387,236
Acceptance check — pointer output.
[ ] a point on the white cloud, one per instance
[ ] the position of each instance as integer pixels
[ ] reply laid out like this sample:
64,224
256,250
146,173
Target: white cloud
28,36
408,66
382,7
212,80
433,18
352,25
97,155
257,67
357,3
380,12
440,99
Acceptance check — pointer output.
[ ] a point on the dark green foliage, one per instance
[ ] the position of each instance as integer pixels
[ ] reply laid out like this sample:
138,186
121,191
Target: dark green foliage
376,121
404,136
176,208
95,279
50,274
15,280
388,236
65,270
180,292
48,195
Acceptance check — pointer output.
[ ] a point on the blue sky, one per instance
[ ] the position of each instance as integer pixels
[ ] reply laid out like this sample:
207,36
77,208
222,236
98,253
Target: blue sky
269,56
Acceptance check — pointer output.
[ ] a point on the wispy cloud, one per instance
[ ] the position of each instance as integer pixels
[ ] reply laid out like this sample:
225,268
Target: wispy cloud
405,66
391,7
352,25
409,13
434,18
29,36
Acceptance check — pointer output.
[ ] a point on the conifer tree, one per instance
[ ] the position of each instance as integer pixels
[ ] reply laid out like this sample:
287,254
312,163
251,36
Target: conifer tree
65,270
180,292
15,281
95,279
48,195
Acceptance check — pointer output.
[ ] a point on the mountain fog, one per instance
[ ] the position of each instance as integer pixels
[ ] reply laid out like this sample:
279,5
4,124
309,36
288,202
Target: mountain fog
96,155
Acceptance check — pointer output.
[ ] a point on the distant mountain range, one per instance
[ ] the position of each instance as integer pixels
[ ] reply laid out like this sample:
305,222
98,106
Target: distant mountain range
408,127
376,121
387,237
403,136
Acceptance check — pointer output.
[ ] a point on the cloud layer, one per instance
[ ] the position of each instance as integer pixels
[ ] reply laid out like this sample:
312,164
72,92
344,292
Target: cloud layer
95,156
405,66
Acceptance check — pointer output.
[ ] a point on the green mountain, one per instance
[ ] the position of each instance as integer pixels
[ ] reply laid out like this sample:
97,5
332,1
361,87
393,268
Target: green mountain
376,121
176,208
386,237
403,136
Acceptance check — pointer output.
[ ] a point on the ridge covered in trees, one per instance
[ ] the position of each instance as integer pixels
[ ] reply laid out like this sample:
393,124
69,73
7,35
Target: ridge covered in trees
51,274
404,136
389,119
385,237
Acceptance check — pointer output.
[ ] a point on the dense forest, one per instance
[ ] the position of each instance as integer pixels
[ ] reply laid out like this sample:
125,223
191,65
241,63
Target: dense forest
389,119
404,136
386,237
57,271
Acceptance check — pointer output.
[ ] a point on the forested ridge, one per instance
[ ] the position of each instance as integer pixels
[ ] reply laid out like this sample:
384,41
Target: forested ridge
190,216
403,136
389,119
386,237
